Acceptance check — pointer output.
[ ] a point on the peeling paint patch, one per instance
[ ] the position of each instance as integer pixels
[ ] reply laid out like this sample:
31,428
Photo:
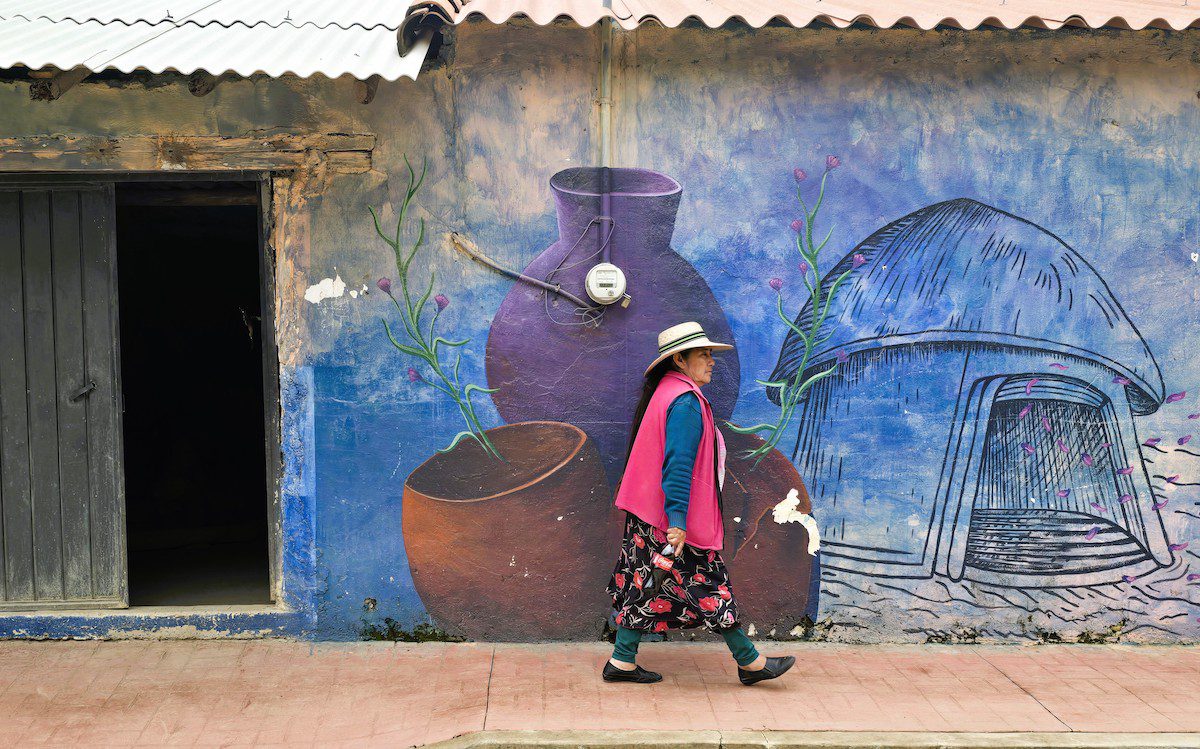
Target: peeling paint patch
327,288
787,512
187,632
121,625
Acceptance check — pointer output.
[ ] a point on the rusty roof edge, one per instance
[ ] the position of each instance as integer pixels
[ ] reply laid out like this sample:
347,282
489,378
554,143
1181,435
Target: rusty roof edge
543,13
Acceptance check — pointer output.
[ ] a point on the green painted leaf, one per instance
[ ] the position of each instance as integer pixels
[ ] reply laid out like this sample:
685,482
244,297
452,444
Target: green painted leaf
766,384
457,439
750,430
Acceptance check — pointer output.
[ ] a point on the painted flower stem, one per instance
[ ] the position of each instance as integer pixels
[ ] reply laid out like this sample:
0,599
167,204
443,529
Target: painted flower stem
819,299
423,342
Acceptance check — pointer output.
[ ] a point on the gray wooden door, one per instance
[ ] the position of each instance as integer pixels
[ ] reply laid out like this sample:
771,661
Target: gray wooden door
62,519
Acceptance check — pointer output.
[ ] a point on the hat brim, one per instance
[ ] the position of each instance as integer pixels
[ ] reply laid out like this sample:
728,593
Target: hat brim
698,343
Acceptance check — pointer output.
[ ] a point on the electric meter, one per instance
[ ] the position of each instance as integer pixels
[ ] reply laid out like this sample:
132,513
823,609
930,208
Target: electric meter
605,283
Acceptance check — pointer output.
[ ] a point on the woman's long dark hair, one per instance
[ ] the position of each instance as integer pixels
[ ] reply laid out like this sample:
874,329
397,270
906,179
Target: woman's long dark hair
649,385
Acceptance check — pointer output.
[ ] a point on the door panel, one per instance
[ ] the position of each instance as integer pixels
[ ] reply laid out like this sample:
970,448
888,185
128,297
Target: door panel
60,488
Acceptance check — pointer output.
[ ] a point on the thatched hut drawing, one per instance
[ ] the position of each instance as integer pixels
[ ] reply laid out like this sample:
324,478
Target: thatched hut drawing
982,425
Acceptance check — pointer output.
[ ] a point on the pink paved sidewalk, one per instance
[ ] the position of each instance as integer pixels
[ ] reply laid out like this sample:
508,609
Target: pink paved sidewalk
274,692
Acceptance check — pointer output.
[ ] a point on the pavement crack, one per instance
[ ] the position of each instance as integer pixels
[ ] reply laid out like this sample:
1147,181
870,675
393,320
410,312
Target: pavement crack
1049,712
487,698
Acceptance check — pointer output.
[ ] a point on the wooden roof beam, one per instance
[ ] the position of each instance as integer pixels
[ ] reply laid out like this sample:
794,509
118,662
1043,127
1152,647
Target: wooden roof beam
202,82
53,87
365,90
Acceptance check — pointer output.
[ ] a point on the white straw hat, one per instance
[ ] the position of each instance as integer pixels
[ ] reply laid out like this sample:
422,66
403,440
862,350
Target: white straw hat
682,337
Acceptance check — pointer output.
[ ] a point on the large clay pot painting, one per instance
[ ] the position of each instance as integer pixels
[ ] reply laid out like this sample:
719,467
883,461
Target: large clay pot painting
511,533
546,364
502,550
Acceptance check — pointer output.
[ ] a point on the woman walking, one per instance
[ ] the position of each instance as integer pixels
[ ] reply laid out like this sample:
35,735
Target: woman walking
671,493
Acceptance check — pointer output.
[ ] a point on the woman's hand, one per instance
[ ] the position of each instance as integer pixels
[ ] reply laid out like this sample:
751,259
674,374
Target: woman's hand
676,537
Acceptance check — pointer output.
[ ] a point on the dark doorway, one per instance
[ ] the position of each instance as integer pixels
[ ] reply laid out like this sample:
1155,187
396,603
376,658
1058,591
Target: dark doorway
196,484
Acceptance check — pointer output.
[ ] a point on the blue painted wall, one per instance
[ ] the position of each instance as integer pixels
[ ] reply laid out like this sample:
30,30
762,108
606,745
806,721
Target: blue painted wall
1092,136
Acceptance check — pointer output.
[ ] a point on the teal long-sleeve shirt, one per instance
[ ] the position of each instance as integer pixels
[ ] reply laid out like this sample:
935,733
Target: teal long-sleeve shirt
685,426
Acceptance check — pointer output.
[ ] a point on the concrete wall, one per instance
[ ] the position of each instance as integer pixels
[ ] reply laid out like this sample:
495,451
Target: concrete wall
1091,136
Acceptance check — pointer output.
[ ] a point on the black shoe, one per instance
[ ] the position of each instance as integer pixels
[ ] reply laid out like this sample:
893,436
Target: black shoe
775,668
638,675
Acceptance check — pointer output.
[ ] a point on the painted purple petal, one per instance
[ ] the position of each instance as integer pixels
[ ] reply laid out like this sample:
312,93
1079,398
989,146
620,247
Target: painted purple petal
442,301
1025,411
1062,446
1092,533
1178,547
799,174
1193,577
1173,479
832,162
1098,507
1046,424
1125,471
1088,460
858,260
1122,380
413,375
385,285
798,225
1106,445
1064,493
1126,498
842,356
1173,397
1185,439
1056,365
1152,441
1029,385
803,268
1129,578
775,283
1028,448
1160,505
1194,416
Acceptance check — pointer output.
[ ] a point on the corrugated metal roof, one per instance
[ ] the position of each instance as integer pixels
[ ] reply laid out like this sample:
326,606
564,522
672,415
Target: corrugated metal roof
320,13
926,14
217,36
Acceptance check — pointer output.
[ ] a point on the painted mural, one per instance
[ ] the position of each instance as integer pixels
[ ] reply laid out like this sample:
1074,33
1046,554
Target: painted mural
507,529
959,393
986,425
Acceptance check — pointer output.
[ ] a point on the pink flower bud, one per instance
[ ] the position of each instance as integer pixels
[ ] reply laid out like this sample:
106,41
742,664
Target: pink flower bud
832,162
442,302
800,175
413,375
803,268
842,356
858,260
385,285
798,225
776,283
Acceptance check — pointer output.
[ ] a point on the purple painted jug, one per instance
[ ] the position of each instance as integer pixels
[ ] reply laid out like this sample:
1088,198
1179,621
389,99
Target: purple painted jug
549,366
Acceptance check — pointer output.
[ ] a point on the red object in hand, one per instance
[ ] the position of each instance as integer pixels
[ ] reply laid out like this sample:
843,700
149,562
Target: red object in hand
663,563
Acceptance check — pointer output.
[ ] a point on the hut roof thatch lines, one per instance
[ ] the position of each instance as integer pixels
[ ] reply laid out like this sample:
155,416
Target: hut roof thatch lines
961,271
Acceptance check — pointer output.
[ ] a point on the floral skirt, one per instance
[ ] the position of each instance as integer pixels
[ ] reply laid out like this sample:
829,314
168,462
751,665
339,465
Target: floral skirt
696,593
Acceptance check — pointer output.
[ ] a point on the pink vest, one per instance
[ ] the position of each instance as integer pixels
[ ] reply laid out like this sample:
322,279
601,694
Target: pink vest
641,489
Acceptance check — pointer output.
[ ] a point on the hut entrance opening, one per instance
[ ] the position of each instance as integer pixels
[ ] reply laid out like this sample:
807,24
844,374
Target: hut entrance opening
1047,505
191,281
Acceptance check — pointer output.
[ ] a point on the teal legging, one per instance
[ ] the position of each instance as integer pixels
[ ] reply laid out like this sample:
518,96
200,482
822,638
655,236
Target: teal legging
739,645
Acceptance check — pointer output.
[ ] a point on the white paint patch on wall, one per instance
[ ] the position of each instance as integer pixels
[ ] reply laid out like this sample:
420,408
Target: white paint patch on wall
327,288
787,512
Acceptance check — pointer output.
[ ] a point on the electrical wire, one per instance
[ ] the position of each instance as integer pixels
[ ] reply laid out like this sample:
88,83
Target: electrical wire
590,315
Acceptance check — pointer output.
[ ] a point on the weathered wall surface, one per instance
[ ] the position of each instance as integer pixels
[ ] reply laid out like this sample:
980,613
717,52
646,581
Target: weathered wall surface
1071,264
